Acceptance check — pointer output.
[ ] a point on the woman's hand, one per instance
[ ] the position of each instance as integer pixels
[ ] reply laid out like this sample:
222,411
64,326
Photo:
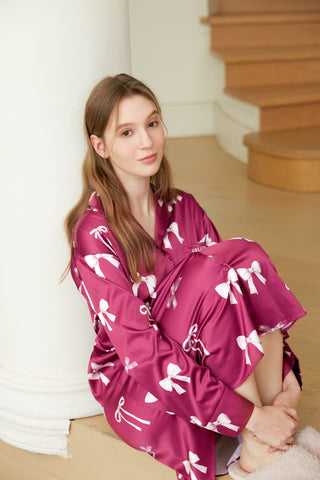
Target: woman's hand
274,425
291,392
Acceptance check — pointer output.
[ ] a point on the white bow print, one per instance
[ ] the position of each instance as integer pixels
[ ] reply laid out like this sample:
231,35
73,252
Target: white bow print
224,289
148,449
93,262
174,229
104,306
149,398
191,342
119,416
267,329
128,365
168,384
224,421
172,300
96,232
170,205
192,462
96,374
207,240
151,283
243,342
246,274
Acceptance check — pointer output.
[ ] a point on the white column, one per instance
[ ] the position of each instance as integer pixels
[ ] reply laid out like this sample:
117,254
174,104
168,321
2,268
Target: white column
52,54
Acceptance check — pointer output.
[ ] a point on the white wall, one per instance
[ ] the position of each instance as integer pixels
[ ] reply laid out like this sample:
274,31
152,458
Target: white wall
170,51
52,54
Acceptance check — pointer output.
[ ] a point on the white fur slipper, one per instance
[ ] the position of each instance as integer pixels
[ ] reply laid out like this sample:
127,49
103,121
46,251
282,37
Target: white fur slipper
309,439
295,464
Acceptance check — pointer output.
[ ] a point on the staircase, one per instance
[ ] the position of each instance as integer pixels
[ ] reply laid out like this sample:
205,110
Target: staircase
271,55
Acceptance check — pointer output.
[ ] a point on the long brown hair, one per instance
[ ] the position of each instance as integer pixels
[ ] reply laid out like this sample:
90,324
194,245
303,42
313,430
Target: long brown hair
98,175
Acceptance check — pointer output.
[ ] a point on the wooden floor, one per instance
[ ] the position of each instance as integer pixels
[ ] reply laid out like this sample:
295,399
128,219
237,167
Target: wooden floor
287,225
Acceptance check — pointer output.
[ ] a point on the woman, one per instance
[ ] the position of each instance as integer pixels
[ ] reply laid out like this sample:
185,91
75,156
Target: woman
190,329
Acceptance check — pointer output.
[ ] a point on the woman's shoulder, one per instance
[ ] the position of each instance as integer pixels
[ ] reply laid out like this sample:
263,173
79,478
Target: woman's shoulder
92,220
185,199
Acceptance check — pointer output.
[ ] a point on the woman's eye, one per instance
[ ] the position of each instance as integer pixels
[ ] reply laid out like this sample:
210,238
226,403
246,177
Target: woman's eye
126,133
154,123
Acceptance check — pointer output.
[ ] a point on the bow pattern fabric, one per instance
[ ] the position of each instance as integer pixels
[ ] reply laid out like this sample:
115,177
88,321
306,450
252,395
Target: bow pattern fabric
224,289
194,343
93,262
243,343
96,373
173,228
121,413
150,281
192,462
104,306
224,421
207,240
128,365
97,233
168,384
172,300
246,274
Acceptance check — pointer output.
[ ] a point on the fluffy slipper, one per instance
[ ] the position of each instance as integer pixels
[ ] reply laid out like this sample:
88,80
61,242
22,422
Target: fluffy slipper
309,439
295,464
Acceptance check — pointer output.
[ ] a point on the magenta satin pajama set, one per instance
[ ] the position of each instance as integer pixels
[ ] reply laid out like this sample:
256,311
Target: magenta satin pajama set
171,348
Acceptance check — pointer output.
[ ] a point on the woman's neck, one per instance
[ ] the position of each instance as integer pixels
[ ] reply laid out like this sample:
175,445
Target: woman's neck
142,207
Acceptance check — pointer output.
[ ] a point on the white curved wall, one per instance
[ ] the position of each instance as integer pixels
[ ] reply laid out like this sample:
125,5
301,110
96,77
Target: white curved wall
52,54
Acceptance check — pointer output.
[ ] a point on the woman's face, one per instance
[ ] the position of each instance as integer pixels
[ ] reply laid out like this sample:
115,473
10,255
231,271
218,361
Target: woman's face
134,140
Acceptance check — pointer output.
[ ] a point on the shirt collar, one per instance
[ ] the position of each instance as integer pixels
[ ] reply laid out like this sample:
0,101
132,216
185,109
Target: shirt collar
163,212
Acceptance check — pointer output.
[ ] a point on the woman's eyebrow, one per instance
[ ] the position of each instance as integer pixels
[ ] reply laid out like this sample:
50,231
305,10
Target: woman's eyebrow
128,124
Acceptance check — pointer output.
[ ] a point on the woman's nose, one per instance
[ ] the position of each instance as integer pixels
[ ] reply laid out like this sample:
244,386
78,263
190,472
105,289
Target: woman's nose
145,140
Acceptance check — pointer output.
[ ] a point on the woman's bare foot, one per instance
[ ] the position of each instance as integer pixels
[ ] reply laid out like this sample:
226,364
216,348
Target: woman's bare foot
255,455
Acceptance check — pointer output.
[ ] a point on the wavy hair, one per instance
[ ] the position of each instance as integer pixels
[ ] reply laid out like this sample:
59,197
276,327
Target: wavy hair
98,175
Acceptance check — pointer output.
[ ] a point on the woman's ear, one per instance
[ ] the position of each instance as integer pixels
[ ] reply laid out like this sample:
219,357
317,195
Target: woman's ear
99,146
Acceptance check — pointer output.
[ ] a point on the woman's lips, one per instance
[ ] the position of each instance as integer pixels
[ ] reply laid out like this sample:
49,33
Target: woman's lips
149,158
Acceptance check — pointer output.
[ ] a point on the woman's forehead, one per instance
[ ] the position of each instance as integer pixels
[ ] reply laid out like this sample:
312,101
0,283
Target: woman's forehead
134,109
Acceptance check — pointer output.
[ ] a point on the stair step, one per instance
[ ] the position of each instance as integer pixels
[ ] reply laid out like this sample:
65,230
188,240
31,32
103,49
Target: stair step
288,159
264,29
271,65
261,18
222,19
273,73
272,95
249,6
283,106
268,53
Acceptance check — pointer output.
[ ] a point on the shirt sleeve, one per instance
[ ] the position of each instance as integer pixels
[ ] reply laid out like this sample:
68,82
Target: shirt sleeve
162,367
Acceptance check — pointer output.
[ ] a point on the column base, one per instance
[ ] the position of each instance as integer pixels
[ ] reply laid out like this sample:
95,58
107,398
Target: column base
35,412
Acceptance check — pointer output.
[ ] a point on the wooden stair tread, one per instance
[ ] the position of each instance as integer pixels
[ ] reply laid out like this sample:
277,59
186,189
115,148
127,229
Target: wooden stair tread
272,95
220,19
268,53
296,143
249,6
